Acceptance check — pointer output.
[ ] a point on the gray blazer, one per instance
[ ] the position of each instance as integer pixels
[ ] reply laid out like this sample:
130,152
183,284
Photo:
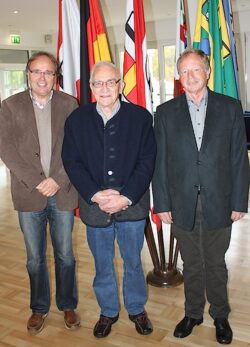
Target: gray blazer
19,150
220,168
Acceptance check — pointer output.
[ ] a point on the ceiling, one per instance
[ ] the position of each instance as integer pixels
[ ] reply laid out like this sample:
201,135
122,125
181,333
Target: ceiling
42,16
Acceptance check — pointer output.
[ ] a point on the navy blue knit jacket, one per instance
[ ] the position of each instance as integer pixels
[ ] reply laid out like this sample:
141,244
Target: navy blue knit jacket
120,155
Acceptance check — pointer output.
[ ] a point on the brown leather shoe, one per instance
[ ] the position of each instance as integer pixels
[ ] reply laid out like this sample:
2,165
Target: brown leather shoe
36,323
71,320
142,323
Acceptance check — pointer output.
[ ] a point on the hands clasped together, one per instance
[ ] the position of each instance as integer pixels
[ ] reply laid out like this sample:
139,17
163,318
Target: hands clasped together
48,187
110,201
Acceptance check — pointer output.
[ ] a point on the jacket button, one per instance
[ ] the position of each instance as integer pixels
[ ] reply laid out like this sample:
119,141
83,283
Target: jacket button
37,154
110,173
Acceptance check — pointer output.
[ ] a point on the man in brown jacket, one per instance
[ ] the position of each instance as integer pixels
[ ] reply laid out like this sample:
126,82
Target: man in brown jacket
31,136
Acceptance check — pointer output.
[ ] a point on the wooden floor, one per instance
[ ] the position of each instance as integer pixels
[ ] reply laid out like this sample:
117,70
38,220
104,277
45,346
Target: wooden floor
165,306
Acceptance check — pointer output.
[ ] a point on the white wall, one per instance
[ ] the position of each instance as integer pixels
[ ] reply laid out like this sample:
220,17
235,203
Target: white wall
242,30
29,41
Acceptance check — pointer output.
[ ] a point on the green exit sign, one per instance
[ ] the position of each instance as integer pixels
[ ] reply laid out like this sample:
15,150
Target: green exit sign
16,39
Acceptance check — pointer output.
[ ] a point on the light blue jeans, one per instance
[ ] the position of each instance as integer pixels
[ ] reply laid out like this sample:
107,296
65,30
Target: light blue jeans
33,226
130,237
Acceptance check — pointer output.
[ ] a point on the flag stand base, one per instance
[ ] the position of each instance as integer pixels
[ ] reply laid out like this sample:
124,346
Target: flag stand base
164,274
165,278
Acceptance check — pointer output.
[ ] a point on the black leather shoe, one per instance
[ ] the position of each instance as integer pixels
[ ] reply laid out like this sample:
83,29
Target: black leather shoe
185,326
103,326
142,323
224,334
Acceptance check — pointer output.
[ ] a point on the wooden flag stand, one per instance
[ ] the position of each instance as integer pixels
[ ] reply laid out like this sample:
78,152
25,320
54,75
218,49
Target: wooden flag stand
164,274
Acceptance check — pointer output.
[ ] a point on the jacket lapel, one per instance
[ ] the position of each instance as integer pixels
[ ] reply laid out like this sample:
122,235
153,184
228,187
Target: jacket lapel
30,115
185,120
55,119
210,121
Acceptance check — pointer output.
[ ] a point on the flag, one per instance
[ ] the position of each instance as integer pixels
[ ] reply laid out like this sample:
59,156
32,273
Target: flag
181,42
212,36
94,43
136,66
229,20
68,48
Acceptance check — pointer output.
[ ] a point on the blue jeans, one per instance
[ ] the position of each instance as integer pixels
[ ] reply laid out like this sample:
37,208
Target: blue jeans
33,226
130,237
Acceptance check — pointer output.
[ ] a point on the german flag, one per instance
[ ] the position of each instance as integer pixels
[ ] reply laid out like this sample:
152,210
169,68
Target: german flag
94,43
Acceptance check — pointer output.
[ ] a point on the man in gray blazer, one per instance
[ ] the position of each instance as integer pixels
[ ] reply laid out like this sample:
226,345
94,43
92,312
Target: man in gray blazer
200,187
31,135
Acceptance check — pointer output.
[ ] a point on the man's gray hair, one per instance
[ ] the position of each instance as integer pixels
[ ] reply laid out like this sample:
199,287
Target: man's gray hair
101,64
199,53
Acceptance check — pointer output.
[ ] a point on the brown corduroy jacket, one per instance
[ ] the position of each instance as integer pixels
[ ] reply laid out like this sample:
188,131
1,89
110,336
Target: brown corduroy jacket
20,151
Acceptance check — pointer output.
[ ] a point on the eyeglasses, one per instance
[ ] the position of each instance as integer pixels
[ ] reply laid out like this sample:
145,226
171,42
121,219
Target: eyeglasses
39,73
109,83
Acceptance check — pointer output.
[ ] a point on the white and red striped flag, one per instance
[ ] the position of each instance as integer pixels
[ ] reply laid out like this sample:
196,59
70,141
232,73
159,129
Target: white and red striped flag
181,41
136,65
68,48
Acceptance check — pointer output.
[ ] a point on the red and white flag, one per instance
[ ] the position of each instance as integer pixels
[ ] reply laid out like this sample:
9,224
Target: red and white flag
68,48
136,66
181,42
136,73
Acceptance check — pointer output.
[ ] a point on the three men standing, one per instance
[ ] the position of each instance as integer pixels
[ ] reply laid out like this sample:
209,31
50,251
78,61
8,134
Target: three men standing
200,187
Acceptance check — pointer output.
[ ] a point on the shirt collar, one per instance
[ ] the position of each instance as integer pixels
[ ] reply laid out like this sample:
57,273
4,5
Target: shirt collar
115,111
38,104
203,99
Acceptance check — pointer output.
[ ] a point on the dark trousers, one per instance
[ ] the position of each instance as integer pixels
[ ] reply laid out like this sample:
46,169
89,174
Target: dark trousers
204,268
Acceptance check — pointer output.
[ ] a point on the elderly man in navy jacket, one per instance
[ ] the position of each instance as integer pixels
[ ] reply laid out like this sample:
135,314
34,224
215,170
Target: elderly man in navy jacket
109,153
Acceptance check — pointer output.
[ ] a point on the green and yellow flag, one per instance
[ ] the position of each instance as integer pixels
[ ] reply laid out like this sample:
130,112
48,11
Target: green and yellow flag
212,36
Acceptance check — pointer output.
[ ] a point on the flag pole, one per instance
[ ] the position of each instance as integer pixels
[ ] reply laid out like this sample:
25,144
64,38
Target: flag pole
84,58
138,91
166,274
